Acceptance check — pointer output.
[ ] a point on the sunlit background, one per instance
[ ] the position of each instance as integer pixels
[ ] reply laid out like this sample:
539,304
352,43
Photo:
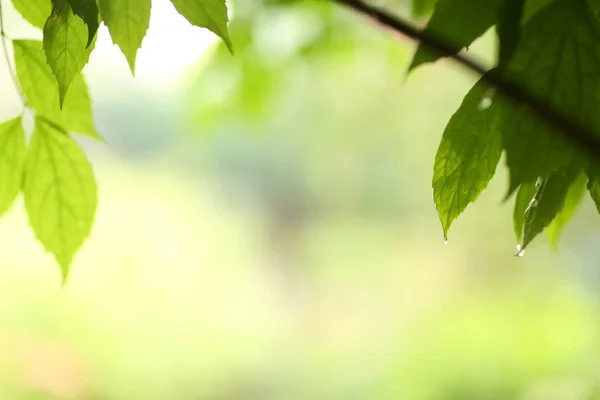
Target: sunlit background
266,231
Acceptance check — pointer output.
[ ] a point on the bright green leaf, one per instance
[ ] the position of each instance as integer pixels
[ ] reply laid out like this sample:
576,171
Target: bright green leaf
572,201
39,87
60,193
468,154
127,21
525,194
210,14
87,10
459,22
65,47
558,59
548,201
508,26
35,12
12,159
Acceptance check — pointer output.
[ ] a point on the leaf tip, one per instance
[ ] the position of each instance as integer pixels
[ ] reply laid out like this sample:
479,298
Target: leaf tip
228,43
131,63
65,264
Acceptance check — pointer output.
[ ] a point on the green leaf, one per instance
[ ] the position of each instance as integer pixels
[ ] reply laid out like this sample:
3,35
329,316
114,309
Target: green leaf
572,201
594,189
595,7
35,12
210,14
508,26
12,159
127,22
557,59
39,87
468,154
459,22
65,47
87,10
421,8
525,194
60,193
593,186
532,7
548,201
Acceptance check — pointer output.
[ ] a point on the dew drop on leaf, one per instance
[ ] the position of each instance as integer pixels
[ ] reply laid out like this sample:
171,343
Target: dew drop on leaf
485,103
533,203
539,182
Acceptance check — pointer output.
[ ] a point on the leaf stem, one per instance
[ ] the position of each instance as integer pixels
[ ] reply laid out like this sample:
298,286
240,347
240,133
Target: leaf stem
583,137
11,70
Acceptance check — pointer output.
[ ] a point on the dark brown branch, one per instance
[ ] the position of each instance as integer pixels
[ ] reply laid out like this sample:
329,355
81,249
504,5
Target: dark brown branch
571,130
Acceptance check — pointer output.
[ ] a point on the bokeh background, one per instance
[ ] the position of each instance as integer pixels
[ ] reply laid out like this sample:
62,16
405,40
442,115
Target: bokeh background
266,231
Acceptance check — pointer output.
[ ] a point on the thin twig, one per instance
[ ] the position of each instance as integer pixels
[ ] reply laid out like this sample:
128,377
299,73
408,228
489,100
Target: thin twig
11,70
585,138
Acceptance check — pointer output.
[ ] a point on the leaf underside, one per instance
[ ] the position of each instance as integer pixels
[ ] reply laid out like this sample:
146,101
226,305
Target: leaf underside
59,191
65,46
127,22
468,154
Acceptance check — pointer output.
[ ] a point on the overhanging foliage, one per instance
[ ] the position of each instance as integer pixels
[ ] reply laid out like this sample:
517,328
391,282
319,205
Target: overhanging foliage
547,48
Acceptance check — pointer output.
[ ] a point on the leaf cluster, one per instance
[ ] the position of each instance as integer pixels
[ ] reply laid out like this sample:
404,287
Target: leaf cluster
550,47
50,169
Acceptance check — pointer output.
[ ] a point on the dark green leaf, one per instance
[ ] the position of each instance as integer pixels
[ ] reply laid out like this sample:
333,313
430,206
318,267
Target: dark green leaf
508,26
572,201
39,87
525,194
65,47
87,10
459,22
209,14
532,7
421,8
60,193
35,12
593,186
468,154
557,59
548,201
595,7
12,158
127,22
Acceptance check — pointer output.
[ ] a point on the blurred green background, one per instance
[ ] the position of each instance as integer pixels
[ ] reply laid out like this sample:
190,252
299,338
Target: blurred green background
266,230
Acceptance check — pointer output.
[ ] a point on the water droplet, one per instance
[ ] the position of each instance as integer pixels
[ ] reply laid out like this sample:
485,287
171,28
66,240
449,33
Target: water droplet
533,203
539,182
485,103
445,242
521,253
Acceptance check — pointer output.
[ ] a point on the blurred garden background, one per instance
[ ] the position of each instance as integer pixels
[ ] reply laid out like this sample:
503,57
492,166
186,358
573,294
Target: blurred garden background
266,231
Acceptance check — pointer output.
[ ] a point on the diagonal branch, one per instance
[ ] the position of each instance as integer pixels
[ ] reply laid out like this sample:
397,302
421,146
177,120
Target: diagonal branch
574,132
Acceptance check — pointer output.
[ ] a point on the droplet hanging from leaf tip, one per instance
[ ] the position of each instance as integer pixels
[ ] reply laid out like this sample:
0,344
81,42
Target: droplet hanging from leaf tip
445,242
520,251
